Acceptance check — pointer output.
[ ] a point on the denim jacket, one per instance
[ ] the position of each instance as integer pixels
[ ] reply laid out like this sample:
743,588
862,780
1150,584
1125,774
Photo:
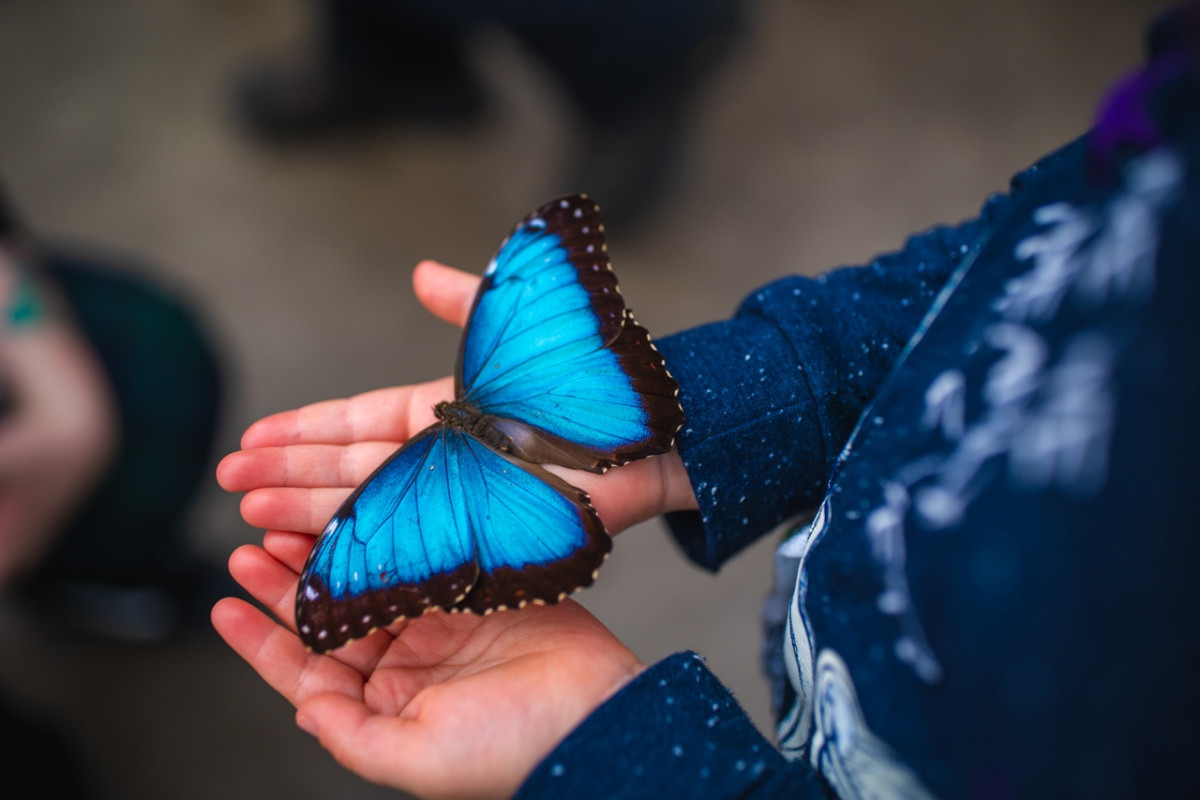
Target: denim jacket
997,430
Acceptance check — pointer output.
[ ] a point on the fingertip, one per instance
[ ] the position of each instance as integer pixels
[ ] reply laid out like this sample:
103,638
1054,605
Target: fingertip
226,471
241,563
274,651
243,555
218,614
445,291
307,724
252,434
273,430
424,266
229,615
231,472
221,610
424,277
249,507
290,549
262,508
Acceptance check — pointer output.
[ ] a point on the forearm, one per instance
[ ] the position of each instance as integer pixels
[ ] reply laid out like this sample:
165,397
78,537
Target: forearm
772,394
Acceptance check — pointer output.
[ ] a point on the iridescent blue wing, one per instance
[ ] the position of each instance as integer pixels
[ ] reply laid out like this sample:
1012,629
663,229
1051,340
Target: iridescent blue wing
538,537
554,356
552,369
448,523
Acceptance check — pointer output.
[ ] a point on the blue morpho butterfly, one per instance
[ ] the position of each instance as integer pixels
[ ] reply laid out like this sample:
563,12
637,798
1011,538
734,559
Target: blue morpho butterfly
552,369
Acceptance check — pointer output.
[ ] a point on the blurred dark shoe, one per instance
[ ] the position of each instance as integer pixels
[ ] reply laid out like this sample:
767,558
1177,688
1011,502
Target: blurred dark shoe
40,759
129,609
632,161
632,165
301,100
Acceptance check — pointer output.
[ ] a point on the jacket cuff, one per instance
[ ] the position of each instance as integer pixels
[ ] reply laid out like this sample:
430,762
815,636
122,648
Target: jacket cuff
674,731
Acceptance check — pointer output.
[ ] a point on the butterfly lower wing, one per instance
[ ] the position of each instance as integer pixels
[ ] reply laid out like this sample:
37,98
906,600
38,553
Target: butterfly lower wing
537,537
399,546
551,349
445,523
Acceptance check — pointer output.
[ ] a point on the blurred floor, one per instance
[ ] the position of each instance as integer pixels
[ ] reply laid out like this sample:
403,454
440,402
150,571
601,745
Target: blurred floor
840,128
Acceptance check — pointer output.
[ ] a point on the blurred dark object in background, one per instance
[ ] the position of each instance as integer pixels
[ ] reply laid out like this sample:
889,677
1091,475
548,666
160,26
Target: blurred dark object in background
93,513
120,565
39,761
631,71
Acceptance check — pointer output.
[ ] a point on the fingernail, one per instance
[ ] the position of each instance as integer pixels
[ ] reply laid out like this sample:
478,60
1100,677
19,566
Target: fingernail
306,724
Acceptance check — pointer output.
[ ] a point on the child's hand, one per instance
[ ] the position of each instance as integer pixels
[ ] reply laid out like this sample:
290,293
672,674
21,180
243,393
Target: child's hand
297,466
445,705
458,705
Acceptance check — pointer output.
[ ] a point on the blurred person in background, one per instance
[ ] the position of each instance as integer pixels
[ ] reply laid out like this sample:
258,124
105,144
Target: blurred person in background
58,417
110,391
631,72
109,395
996,427
58,434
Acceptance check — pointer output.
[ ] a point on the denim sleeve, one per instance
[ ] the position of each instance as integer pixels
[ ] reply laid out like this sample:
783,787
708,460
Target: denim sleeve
675,731
772,394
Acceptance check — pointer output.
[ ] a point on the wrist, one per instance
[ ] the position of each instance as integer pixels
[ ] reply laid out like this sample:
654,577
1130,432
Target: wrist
678,494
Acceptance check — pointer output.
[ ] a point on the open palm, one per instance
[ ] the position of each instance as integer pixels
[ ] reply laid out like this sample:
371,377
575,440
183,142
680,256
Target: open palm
446,705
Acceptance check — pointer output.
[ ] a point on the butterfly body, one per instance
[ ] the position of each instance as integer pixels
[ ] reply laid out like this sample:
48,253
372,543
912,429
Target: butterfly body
552,369
465,418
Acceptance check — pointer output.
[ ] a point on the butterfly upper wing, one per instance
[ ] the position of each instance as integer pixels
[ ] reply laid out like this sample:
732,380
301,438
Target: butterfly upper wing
445,514
553,354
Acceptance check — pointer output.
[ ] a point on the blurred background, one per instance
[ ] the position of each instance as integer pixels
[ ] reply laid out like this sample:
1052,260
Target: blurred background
826,133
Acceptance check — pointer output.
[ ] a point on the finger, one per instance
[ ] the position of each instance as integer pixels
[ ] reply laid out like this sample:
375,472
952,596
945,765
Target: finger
268,581
289,509
289,549
273,583
393,414
278,656
382,749
446,292
635,492
302,465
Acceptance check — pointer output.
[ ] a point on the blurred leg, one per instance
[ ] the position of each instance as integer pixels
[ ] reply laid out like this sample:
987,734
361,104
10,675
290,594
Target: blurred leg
634,72
370,62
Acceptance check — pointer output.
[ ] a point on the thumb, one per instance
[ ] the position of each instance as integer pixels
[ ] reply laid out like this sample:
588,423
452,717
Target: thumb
446,292
373,746
389,750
